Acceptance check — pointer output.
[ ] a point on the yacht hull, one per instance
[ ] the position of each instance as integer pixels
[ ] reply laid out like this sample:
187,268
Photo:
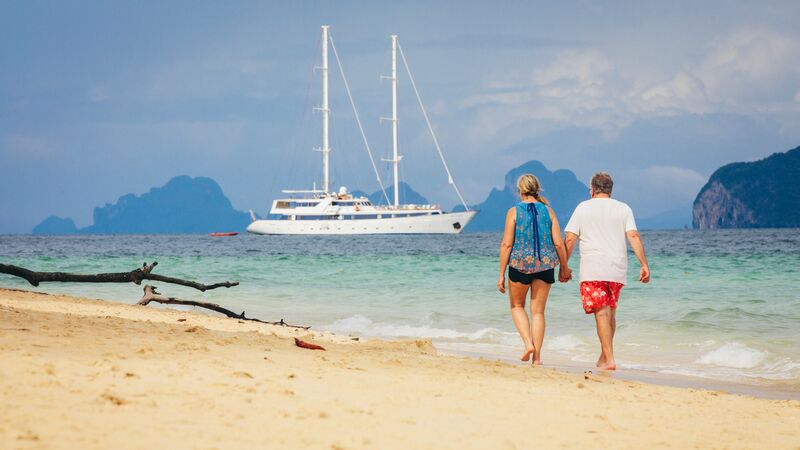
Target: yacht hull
447,223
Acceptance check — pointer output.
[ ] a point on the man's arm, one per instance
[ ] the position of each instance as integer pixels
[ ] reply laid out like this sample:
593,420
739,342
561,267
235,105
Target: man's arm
572,238
638,249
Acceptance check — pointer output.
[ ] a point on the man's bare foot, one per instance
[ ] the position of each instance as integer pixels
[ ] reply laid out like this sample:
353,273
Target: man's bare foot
601,360
537,362
607,365
527,355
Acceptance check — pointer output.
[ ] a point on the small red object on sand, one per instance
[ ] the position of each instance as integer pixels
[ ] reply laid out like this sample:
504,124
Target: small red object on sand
302,344
229,233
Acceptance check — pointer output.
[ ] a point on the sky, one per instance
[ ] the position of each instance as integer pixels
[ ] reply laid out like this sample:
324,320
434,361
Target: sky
103,98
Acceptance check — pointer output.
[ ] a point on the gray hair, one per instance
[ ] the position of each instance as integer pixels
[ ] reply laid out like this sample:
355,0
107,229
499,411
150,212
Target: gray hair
602,183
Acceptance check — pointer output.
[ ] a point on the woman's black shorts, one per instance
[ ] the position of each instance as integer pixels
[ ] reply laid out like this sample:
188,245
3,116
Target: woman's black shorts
548,276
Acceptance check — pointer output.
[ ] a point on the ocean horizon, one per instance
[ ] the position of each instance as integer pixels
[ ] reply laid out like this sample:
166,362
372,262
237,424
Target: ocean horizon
720,308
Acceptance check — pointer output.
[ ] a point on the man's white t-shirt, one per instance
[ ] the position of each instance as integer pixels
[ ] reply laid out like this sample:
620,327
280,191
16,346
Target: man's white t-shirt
601,224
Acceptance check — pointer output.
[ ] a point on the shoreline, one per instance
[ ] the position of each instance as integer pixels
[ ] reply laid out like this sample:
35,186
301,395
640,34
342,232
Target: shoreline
204,381
764,391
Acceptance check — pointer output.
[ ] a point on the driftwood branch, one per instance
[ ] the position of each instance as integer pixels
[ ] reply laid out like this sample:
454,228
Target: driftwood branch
150,295
134,276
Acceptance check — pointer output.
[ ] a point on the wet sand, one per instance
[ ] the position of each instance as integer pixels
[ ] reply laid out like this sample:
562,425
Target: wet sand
768,389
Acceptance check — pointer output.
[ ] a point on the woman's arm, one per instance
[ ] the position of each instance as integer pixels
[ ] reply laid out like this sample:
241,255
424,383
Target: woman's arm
505,247
564,272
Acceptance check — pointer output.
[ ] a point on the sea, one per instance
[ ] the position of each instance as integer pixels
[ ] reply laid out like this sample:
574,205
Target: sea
722,309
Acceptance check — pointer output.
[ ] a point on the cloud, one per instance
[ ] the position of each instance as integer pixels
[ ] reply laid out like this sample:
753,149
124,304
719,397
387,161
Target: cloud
748,65
199,139
685,93
747,71
574,70
99,94
658,188
22,147
208,78
679,181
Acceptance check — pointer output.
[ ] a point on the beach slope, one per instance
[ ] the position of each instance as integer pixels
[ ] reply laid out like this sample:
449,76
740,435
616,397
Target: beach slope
88,374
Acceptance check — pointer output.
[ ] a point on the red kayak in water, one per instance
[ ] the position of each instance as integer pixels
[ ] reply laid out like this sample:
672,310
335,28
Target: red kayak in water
230,233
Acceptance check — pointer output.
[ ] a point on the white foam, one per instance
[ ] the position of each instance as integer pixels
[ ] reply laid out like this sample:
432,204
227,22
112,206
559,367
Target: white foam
728,361
359,324
734,355
563,342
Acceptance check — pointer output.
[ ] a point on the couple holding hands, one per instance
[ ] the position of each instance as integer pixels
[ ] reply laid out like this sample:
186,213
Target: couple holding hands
532,246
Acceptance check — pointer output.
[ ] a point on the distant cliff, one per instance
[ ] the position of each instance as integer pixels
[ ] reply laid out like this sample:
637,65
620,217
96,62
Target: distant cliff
56,225
183,205
561,188
758,194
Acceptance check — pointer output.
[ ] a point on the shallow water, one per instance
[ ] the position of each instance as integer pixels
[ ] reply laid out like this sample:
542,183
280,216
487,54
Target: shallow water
721,305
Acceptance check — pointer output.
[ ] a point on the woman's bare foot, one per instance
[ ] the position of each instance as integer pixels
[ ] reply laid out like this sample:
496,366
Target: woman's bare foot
537,359
527,355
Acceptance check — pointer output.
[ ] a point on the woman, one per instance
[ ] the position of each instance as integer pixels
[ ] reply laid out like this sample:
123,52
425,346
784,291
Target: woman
532,246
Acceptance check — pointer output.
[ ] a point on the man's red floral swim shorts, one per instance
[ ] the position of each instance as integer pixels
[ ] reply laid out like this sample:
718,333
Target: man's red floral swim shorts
597,294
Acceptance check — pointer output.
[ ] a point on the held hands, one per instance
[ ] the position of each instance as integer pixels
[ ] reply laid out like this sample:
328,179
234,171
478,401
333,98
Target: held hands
501,284
644,274
564,274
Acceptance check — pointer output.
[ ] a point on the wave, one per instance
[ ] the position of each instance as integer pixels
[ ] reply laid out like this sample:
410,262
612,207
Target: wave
733,355
703,358
359,324
564,342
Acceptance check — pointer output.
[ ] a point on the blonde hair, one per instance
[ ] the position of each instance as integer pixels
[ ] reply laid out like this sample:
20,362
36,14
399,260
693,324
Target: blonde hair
528,184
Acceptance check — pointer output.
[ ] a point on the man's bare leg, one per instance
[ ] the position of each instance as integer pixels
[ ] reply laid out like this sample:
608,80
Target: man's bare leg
539,292
603,318
516,294
613,323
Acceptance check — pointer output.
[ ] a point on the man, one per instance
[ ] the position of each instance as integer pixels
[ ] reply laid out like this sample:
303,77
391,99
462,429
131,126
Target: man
601,226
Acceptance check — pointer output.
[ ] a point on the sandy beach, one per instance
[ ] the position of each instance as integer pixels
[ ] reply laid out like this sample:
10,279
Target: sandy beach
88,374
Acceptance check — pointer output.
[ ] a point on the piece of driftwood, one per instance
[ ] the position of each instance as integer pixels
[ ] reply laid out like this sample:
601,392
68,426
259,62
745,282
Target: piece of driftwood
150,295
134,276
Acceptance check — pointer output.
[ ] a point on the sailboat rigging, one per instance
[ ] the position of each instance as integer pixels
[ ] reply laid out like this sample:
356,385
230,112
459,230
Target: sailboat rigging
321,212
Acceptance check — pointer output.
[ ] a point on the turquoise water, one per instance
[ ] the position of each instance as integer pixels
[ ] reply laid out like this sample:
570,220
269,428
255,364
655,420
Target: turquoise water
722,305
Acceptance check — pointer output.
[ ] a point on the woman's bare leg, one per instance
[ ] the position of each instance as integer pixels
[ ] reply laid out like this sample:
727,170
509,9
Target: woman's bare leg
516,294
539,292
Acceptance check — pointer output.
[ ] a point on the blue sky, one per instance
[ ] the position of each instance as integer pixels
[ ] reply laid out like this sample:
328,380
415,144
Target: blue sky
100,99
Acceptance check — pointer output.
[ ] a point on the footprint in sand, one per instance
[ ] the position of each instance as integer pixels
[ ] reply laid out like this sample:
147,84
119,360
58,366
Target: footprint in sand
114,399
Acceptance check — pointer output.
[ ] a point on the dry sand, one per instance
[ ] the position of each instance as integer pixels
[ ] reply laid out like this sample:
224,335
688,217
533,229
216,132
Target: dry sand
86,374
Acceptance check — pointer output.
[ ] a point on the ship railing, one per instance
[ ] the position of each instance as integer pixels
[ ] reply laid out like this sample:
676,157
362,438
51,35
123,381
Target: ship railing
407,207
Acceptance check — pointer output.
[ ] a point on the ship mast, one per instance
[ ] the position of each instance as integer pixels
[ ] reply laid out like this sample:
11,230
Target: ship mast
395,157
325,149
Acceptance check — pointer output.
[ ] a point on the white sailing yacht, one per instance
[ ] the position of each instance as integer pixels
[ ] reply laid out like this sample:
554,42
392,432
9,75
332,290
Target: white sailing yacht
320,211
